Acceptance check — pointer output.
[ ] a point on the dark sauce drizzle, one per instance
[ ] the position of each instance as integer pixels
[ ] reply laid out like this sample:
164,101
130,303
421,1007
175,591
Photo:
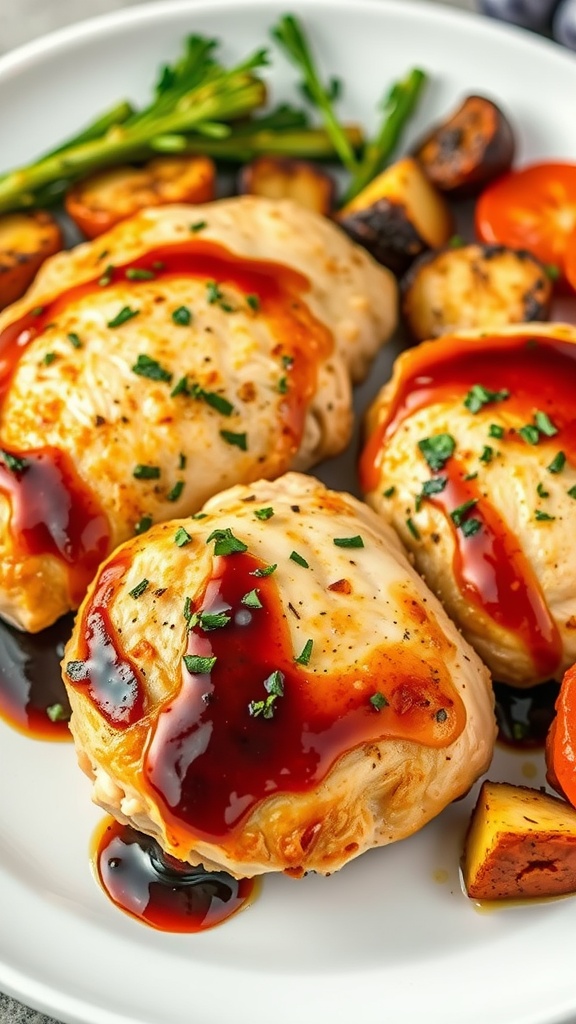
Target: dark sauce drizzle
160,891
31,679
524,716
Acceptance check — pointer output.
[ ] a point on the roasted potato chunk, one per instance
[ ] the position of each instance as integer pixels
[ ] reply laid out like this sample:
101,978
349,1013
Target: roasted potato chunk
473,146
398,216
276,177
521,843
99,202
26,240
474,286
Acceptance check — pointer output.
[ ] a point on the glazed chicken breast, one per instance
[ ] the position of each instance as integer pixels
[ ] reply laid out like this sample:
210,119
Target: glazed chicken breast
188,349
471,456
270,686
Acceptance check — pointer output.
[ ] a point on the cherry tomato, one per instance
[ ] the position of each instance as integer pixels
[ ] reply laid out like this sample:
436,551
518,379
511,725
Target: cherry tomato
534,209
561,742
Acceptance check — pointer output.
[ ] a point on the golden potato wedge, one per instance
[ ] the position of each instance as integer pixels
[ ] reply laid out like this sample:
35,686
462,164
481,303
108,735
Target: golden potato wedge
99,202
521,843
398,216
474,286
26,240
277,177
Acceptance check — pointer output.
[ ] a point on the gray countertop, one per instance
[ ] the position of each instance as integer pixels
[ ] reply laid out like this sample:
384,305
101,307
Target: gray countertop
21,21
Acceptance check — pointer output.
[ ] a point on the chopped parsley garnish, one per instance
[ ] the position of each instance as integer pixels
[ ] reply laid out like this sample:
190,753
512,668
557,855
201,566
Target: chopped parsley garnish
470,476
146,472
210,620
176,491
37,311
214,293
430,487
76,671
14,464
557,464
287,362
299,560
413,528
198,226
254,302
389,492
543,517
251,599
274,686
140,274
495,430
530,433
182,461
479,396
305,654
437,449
457,515
282,386
193,390
264,513
378,701
487,454
106,276
57,713
218,402
199,666
151,368
139,589
349,542
267,570
572,492
182,316
125,314
239,440
182,537
470,527
49,358
544,424
74,340
143,524
199,515
226,543
541,492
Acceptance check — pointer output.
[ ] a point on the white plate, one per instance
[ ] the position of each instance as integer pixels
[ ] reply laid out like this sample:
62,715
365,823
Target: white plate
385,939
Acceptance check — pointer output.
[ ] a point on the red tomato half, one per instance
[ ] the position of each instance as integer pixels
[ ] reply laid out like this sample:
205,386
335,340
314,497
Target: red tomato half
570,263
561,742
533,209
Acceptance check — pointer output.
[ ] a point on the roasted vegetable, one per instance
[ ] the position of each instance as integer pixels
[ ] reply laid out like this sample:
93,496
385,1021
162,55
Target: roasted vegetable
465,152
26,240
474,286
278,177
521,843
398,216
103,200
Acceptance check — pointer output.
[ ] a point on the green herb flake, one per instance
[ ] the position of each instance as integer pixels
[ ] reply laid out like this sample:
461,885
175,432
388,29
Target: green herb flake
74,340
552,271
274,684
176,491
182,461
378,701
12,462
470,527
434,486
479,396
57,713
143,525
543,517
545,424
226,543
198,226
266,570
349,542
264,513
495,430
541,492
49,358
209,621
198,666
218,402
146,472
299,560
214,293
199,515
140,274
37,311
470,476
413,528
282,386
253,302
530,434
305,654
458,514
572,492
182,537
251,599
487,454
287,362
107,276
456,242
182,316
238,440
389,492
437,449
139,589
151,368
125,314
557,464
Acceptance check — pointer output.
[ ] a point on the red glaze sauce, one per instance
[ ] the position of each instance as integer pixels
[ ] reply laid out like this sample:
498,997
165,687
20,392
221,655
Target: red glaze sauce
540,374
31,680
160,891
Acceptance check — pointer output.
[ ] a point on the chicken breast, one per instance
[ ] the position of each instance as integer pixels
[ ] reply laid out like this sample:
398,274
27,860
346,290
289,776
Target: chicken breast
271,686
471,456
188,349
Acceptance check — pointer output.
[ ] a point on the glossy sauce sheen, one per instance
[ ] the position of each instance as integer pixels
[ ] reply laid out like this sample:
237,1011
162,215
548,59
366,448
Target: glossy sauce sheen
163,893
540,373
31,679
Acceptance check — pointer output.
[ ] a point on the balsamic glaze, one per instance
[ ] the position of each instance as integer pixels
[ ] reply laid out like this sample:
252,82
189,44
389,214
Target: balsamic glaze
31,679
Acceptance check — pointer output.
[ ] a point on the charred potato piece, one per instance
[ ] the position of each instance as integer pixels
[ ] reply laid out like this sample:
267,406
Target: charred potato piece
474,286
469,149
521,843
99,202
26,240
398,216
276,177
